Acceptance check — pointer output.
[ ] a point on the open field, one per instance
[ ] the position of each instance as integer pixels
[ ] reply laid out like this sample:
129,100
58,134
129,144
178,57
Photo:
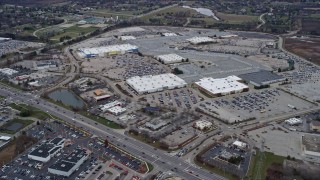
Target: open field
267,160
235,18
15,125
162,14
308,48
310,26
73,32
33,112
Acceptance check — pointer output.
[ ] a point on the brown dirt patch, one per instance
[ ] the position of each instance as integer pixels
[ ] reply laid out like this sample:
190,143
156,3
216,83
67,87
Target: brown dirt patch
308,48
12,149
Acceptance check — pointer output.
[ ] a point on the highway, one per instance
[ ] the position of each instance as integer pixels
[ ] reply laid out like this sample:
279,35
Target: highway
158,158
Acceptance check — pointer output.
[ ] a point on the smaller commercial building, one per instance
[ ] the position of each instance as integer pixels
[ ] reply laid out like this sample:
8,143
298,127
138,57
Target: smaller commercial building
315,126
222,86
239,144
99,92
124,38
66,166
116,110
3,39
293,121
262,78
311,145
107,106
102,97
45,151
228,36
156,124
46,65
8,71
202,125
168,34
22,78
5,138
170,58
156,83
201,40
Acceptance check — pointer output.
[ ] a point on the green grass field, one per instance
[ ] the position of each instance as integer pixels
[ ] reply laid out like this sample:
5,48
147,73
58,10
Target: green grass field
73,32
269,159
3,129
34,112
236,19
160,14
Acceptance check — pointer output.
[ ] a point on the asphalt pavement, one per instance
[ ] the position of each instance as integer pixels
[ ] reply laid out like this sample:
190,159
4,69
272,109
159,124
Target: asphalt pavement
158,158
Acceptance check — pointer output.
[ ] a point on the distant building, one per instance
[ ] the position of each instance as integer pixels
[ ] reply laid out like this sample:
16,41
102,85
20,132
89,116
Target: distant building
99,92
239,144
47,150
116,110
46,65
107,50
8,71
66,166
201,40
293,121
315,126
262,78
203,124
170,58
124,38
168,34
2,39
107,106
311,145
156,124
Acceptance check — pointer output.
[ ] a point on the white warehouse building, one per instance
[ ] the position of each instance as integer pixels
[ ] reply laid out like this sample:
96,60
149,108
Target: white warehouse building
151,84
107,50
170,58
222,86
201,40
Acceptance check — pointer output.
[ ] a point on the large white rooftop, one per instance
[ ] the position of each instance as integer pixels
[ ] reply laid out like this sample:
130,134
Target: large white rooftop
149,84
199,40
170,58
107,49
169,34
8,71
221,85
123,38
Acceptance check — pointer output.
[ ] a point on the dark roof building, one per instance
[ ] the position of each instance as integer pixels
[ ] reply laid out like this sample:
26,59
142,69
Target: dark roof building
46,150
261,78
66,166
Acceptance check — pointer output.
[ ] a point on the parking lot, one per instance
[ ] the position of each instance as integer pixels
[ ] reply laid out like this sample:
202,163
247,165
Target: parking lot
15,45
279,140
254,105
23,168
180,99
